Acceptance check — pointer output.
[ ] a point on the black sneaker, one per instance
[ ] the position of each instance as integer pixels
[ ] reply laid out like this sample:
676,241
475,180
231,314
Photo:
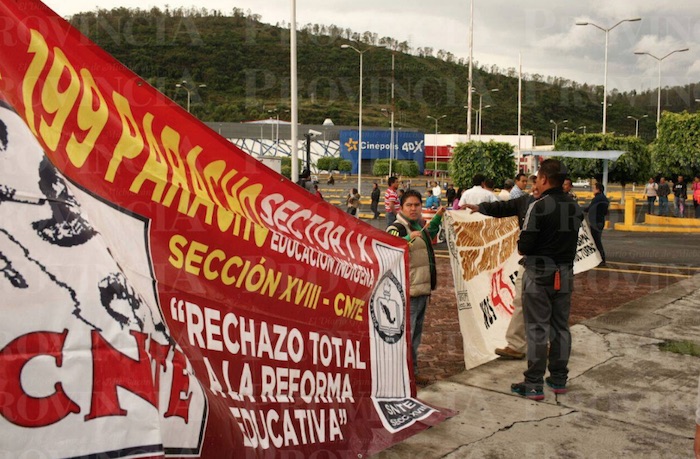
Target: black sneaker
530,392
556,388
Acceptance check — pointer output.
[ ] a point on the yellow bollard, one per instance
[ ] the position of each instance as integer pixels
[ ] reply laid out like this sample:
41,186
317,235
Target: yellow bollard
630,210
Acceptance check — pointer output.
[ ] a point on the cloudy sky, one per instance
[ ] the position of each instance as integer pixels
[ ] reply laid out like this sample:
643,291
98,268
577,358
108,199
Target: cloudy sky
542,31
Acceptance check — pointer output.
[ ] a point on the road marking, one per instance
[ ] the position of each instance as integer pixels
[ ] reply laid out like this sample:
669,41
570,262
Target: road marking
689,268
650,273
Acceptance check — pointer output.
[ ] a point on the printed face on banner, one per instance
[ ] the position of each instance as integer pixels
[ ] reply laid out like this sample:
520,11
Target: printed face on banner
91,349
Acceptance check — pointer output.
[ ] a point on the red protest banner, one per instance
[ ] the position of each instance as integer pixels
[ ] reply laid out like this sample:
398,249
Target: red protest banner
165,293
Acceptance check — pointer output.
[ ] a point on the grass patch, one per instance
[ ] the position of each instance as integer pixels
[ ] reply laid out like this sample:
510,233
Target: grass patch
681,347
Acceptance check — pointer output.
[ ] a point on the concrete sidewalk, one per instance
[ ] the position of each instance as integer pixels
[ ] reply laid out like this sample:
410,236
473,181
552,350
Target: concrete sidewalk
627,398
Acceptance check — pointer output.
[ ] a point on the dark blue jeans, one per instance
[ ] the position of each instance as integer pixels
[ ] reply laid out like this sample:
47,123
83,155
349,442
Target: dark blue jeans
418,306
650,204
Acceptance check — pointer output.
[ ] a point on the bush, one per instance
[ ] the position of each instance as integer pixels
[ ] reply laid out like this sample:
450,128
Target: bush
406,168
344,165
381,167
327,163
493,159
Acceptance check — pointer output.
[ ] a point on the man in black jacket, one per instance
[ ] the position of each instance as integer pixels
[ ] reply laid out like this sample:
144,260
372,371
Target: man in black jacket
548,243
597,211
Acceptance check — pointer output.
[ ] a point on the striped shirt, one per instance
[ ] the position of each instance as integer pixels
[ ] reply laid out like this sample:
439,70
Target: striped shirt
391,201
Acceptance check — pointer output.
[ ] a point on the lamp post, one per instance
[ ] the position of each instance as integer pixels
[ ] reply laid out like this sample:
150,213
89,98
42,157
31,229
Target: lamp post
184,85
481,94
471,71
582,127
556,129
605,78
436,143
359,144
636,123
393,110
479,112
659,59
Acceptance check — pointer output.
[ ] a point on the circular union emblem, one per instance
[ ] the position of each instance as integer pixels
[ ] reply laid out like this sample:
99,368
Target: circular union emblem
387,308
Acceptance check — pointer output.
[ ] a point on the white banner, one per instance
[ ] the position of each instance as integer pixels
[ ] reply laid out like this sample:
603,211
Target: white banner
484,258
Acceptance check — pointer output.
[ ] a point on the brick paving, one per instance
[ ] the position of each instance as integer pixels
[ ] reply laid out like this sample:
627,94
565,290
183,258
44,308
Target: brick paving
596,291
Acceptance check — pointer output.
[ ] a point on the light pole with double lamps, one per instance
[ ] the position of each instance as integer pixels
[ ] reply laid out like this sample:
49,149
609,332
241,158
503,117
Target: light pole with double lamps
658,108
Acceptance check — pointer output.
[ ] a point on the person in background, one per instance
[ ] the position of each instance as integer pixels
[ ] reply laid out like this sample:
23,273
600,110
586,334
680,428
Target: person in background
455,203
375,201
568,187
696,195
391,201
317,192
331,180
663,192
410,226
650,191
353,202
520,185
508,185
477,193
450,194
597,211
437,191
680,194
431,201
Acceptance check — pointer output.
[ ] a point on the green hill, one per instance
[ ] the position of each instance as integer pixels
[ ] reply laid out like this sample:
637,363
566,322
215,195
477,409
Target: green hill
245,67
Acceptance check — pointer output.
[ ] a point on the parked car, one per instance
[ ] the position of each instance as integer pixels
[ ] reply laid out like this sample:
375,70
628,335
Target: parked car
581,183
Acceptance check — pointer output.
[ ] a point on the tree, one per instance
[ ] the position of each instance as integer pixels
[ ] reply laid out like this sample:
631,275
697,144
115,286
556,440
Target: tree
677,149
493,159
633,166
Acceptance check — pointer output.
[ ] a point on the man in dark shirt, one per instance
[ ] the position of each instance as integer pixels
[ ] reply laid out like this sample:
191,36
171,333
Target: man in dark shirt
548,243
597,211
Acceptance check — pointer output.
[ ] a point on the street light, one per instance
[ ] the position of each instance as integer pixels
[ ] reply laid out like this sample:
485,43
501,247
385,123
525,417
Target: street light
393,110
184,85
359,144
556,129
478,112
605,78
582,127
658,108
636,123
436,143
